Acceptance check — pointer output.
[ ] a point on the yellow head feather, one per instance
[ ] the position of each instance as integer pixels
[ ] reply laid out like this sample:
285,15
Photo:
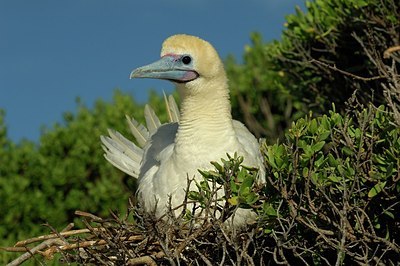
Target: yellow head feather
205,58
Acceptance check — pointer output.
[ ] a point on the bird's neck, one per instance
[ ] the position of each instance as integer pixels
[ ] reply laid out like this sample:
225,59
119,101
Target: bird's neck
206,118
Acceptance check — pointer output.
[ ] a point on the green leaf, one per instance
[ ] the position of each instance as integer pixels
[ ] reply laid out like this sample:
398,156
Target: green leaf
376,189
324,135
204,186
389,170
313,126
320,161
267,231
318,146
248,180
269,210
347,151
194,195
217,166
390,214
305,172
251,198
242,175
234,186
334,178
233,200
332,161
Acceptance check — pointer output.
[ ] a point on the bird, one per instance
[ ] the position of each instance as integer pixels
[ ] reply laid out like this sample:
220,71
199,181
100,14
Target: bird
201,132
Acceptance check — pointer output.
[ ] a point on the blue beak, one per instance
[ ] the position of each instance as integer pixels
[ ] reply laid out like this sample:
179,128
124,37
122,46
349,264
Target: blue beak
169,67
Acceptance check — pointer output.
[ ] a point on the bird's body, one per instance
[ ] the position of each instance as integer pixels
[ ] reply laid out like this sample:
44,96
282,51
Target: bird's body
203,132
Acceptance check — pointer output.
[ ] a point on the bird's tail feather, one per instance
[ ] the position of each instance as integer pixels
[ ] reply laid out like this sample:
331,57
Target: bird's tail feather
124,154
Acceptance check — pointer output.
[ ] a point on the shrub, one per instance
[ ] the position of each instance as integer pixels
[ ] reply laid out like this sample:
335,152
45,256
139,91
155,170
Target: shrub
325,55
335,189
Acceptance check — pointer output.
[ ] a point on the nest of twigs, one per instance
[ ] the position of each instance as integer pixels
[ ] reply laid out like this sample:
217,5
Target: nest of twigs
144,240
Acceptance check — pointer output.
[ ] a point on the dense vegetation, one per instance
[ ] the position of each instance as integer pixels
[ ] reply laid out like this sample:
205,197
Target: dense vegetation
327,99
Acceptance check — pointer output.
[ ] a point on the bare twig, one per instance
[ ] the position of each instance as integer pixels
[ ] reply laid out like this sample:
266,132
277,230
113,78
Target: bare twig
52,236
390,51
334,68
38,248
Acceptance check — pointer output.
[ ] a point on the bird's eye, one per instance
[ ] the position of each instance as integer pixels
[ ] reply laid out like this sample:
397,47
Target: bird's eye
186,59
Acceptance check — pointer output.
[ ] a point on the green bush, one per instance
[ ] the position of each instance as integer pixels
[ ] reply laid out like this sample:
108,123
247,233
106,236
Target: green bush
335,184
332,197
325,55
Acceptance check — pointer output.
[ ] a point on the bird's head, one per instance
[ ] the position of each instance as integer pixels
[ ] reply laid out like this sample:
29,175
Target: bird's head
186,60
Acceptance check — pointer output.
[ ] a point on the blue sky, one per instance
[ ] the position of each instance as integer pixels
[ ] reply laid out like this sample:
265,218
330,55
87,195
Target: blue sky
53,51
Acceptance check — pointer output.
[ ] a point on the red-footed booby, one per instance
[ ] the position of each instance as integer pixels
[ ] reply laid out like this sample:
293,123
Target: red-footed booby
204,131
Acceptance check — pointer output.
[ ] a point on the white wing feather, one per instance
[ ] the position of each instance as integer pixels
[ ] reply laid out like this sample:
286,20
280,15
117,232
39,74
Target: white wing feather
126,162
152,120
129,158
173,109
139,131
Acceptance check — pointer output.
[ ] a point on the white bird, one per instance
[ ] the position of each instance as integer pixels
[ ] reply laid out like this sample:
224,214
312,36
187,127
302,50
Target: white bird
203,132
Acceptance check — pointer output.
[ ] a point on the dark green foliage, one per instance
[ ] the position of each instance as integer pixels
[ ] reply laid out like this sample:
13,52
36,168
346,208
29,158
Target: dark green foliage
345,35
336,185
260,95
234,186
333,192
325,55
